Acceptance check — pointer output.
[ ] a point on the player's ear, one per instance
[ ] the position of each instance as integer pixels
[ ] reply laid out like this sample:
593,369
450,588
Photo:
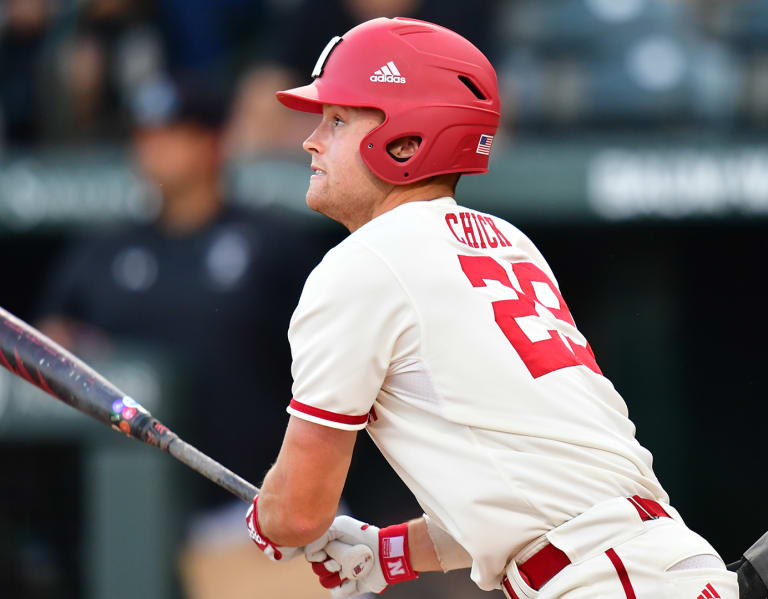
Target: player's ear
403,148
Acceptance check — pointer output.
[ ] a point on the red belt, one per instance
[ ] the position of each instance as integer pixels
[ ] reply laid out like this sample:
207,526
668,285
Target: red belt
538,569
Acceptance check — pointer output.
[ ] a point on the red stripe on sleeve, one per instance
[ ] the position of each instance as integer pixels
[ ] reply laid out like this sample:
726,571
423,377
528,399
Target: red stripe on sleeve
326,415
622,572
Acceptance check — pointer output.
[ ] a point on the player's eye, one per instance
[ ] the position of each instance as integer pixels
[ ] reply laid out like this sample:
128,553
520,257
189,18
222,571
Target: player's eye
337,121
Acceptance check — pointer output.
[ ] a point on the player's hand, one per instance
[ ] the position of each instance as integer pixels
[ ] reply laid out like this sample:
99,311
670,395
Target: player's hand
274,552
390,554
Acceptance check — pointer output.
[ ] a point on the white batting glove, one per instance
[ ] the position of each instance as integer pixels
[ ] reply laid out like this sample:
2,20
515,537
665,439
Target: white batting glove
274,552
390,553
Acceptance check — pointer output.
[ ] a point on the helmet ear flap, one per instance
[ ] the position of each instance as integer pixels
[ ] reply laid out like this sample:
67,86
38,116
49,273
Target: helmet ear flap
447,128
375,151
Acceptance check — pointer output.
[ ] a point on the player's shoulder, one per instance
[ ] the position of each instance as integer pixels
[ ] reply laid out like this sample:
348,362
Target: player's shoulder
350,278
405,228
408,217
351,263
370,245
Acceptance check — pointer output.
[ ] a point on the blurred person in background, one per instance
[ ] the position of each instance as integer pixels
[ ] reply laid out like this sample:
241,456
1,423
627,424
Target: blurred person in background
108,49
24,25
204,36
209,285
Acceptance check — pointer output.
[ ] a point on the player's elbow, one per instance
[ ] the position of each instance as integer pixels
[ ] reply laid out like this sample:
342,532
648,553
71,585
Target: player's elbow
305,531
293,521
296,528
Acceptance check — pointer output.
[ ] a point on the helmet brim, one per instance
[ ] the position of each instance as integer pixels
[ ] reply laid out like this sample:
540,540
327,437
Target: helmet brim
304,99
307,99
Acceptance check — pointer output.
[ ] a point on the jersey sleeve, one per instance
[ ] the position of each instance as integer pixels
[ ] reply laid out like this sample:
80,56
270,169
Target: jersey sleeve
349,325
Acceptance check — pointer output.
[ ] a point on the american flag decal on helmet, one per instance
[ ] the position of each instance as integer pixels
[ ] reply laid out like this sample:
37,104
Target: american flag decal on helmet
484,145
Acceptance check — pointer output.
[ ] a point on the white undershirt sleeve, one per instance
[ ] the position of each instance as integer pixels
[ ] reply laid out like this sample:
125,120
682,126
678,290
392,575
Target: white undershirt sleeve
450,554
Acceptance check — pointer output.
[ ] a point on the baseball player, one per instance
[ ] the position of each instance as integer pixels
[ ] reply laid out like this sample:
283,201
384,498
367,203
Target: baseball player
442,331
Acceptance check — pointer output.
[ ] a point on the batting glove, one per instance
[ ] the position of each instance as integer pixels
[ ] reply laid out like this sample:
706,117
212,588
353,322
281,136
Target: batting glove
274,552
390,553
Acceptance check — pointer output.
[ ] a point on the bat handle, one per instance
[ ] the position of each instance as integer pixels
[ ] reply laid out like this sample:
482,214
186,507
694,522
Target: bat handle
355,560
225,478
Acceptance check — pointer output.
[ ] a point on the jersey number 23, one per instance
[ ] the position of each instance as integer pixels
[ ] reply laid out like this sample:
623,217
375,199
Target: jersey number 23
541,347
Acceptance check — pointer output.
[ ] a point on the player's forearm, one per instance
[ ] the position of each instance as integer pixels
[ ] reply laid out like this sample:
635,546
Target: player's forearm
301,492
283,520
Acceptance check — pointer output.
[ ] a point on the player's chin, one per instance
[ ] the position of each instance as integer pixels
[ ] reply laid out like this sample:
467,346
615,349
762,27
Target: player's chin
316,198
322,203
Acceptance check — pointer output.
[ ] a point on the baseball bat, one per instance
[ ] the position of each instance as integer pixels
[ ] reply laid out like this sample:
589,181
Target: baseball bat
29,354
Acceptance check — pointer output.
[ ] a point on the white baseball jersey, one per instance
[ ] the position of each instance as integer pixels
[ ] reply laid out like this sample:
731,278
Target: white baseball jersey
442,331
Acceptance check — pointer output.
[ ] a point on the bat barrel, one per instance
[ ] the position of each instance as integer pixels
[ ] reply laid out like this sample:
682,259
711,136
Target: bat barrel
27,353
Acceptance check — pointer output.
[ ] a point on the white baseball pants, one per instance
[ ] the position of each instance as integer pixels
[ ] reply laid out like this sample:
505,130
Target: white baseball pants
614,554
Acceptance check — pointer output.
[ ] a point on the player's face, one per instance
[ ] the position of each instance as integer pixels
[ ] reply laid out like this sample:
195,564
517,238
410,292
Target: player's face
341,186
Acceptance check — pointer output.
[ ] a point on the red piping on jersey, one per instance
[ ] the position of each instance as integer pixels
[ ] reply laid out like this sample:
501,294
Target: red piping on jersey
326,415
622,572
648,509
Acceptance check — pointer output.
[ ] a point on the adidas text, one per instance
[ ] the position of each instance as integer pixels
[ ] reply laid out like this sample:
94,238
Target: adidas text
387,73
387,79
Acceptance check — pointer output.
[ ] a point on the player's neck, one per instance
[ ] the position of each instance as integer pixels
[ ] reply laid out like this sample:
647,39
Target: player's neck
416,192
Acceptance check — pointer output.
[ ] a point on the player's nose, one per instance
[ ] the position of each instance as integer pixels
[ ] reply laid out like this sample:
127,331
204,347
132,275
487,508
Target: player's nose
312,143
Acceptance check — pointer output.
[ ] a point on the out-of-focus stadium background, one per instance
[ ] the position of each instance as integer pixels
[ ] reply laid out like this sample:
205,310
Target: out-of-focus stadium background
633,151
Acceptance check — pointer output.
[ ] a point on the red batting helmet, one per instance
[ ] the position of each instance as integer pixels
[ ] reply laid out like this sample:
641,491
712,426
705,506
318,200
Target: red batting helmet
428,80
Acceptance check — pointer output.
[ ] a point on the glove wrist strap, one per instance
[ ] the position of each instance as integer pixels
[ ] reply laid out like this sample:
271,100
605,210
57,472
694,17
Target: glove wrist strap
259,537
394,555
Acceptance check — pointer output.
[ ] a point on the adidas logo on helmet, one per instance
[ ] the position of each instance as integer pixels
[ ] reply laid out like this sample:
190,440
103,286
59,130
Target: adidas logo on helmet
387,73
